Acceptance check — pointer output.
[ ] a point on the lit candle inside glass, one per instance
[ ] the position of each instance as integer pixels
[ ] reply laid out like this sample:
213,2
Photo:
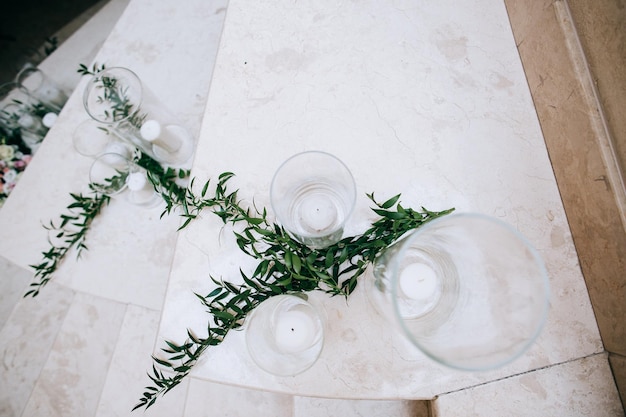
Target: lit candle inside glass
418,281
141,189
294,331
318,213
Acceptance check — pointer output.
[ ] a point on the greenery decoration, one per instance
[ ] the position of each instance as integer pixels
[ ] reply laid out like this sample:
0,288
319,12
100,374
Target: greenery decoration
95,68
284,266
70,232
71,229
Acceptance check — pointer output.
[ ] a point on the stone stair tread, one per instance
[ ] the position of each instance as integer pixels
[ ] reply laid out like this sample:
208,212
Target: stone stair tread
326,407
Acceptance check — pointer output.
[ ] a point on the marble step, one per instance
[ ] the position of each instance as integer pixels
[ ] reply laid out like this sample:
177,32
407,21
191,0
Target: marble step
207,399
27,337
583,387
323,407
80,40
13,283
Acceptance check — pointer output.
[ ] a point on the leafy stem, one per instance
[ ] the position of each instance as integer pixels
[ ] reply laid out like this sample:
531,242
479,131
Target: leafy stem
69,232
284,266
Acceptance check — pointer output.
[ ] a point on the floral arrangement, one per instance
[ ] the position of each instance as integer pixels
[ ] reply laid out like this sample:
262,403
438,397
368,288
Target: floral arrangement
12,163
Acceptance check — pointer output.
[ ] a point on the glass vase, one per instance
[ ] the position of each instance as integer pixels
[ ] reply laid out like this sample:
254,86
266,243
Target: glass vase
117,176
313,194
116,97
466,289
42,88
285,335
93,139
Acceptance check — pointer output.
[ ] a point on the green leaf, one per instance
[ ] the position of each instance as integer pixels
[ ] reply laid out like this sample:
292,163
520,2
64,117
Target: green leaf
287,259
213,293
296,263
389,214
254,220
161,362
389,203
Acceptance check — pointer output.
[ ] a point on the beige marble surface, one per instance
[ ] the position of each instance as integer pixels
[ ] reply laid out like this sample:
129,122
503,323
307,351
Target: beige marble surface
131,247
25,343
281,99
13,281
83,45
324,407
582,387
574,107
89,331
429,101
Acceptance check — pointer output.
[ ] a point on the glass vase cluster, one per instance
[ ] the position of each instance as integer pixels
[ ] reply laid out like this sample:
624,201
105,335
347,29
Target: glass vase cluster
30,105
118,176
117,99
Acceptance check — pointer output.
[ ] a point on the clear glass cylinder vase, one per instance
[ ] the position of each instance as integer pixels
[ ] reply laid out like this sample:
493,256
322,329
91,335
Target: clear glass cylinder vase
285,334
466,289
42,88
117,97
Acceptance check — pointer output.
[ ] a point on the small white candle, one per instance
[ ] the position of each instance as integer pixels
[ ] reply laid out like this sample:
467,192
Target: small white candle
418,281
141,189
294,331
318,213
152,132
49,119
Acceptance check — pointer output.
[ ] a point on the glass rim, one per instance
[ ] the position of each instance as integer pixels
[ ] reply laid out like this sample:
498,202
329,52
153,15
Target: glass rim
26,72
543,277
278,300
99,160
95,79
315,152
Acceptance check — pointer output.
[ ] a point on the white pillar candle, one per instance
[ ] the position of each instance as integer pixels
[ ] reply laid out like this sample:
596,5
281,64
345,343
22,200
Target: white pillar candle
141,189
152,131
294,331
418,281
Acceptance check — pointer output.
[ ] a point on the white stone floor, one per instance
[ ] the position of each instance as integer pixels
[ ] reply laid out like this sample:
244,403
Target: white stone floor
73,353
67,353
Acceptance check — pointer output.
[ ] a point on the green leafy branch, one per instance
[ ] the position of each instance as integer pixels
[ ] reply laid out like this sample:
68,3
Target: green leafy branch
285,266
70,231
84,70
